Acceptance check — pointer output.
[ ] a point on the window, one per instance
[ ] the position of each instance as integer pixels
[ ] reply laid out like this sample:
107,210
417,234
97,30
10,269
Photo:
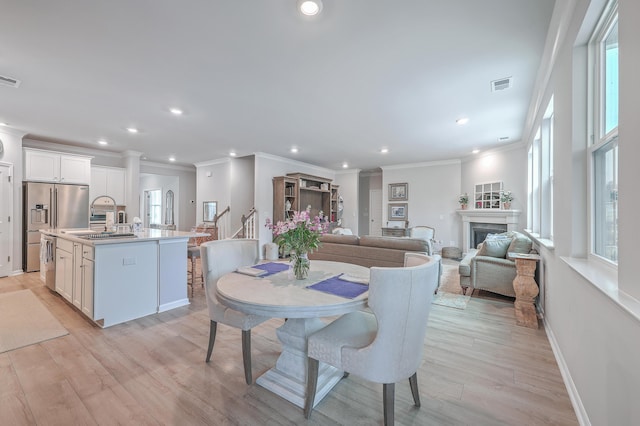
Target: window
604,147
540,178
154,207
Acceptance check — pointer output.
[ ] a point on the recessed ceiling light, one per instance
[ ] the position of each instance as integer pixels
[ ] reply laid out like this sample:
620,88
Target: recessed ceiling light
3,124
103,142
462,121
310,7
345,165
384,150
294,149
132,130
475,151
144,158
233,153
176,111
172,158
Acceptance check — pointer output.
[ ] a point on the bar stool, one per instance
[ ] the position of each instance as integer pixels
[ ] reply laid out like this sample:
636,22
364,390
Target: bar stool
193,253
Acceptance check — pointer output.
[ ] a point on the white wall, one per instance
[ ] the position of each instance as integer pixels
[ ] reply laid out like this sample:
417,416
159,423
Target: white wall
597,339
433,195
242,194
213,184
182,181
348,190
507,165
12,141
163,183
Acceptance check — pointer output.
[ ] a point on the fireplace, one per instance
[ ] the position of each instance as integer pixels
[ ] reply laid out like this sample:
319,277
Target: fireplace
495,221
479,231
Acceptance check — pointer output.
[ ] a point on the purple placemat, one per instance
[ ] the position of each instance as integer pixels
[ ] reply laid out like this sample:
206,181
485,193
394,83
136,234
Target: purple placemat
272,268
338,287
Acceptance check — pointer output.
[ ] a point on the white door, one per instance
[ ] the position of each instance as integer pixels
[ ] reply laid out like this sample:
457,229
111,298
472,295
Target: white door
6,209
375,212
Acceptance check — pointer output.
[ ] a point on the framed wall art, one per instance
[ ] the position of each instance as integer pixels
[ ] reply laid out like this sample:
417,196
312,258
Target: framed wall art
398,211
398,191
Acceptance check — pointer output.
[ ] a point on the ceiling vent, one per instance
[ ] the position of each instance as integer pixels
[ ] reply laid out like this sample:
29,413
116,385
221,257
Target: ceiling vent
501,84
9,81
503,138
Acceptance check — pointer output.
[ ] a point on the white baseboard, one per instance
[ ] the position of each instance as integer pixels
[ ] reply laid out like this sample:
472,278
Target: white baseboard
173,305
576,402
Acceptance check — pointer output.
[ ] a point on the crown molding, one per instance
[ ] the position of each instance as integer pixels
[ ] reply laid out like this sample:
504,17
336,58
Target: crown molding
496,150
294,162
166,166
12,132
212,162
348,172
424,164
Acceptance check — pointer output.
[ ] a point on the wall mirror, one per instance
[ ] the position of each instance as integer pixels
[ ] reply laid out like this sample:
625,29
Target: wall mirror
210,209
168,215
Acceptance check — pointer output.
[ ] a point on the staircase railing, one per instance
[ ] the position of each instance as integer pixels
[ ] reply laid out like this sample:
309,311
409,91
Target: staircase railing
223,227
248,228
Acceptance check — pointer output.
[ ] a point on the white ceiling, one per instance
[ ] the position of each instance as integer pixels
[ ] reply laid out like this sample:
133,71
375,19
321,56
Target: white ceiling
256,76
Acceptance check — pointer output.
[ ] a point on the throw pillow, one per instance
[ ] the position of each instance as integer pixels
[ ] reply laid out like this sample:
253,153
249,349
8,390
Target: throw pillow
496,247
520,244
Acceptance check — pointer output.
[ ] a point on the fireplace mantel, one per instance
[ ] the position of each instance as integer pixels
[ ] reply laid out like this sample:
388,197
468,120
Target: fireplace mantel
505,217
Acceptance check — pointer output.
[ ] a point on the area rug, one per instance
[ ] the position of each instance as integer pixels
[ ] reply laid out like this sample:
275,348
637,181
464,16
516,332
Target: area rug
25,321
449,292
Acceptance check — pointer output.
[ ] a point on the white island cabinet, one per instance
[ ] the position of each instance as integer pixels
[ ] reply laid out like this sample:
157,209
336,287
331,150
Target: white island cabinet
120,279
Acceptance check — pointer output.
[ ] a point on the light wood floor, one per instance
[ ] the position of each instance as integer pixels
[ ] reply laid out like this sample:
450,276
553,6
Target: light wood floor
479,369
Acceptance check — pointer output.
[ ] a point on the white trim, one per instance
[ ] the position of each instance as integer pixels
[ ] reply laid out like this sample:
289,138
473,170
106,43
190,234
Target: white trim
212,162
424,164
504,217
320,170
605,280
11,210
172,305
574,396
165,166
13,132
67,149
559,27
499,149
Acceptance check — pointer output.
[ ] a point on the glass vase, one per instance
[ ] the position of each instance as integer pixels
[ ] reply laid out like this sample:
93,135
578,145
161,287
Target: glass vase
300,264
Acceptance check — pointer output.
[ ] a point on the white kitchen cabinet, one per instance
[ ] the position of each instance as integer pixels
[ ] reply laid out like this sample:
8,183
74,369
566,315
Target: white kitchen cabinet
74,274
64,273
109,181
87,281
51,166
77,276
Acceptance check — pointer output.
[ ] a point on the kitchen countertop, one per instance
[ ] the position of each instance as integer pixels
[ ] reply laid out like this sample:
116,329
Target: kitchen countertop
145,235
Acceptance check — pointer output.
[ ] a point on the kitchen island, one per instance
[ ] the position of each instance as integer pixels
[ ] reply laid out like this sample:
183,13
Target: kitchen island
121,277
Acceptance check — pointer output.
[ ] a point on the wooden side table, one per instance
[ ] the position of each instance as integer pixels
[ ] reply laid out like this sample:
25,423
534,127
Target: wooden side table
525,288
395,232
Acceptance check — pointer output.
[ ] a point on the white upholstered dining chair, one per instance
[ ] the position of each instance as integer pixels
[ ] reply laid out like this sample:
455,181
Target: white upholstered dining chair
384,346
220,257
426,233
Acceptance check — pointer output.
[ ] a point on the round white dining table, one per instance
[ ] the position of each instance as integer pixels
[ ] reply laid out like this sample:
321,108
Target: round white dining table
281,295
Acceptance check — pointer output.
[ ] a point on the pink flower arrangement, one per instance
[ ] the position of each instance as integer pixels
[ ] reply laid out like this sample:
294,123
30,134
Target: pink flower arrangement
300,234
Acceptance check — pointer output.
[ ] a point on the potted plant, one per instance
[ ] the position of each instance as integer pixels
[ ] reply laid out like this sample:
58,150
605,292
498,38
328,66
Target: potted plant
463,199
506,199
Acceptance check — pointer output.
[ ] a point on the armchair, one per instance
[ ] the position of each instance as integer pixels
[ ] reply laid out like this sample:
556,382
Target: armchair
487,268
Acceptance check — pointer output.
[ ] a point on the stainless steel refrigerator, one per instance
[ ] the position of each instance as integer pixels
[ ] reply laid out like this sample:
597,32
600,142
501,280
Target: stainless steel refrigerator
50,206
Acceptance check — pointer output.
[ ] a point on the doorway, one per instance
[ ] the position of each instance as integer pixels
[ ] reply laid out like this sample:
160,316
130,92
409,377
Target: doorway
152,207
375,212
6,210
